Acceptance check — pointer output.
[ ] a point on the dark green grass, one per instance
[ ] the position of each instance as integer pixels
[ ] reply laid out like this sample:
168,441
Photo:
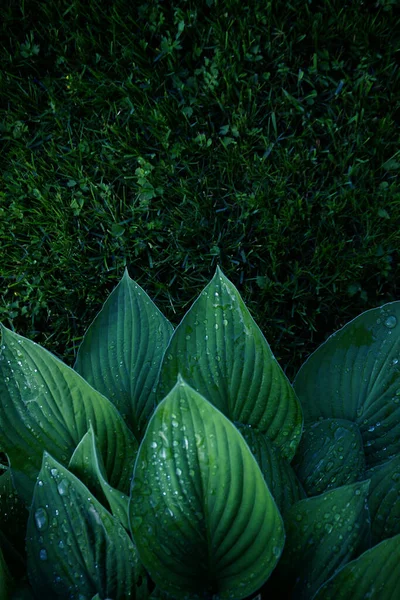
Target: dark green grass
174,136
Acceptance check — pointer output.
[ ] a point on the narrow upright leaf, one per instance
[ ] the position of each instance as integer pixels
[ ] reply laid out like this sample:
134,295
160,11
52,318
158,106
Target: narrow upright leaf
202,517
355,375
46,405
222,354
374,575
87,464
121,352
75,547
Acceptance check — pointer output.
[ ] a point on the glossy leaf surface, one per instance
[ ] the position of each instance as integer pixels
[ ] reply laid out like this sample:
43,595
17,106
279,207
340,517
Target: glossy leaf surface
75,547
87,464
330,455
46,405
278,473
322,534
222,354
375,575
121,352
355,375
384,500
201,514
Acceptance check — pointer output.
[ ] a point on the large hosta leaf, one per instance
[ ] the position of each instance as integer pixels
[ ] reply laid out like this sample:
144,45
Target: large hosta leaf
201,514
322,534
384,500
222,354
329,455
278,473
355,375
375,575
46,405
87,464
75,547
121,352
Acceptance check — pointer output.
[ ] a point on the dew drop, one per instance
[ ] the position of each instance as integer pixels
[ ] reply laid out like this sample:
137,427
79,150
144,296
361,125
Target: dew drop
43,554
63,487
41,519
391,322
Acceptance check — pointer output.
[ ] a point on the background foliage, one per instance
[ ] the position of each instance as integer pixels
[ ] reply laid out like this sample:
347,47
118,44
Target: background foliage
174,136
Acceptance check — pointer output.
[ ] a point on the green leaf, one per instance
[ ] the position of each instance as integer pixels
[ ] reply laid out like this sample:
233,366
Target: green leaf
355,375
222,354
46,405
330,455
75,547
384,500
87,464
322,534
201,514
121,353
278,474
374,575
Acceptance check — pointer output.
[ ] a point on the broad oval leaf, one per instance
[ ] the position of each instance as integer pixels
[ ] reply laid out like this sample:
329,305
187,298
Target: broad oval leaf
221,352
46,405
87,464
384,500
355,375
330,454
322,534
121,353
75,547
202,517
374,575
278,473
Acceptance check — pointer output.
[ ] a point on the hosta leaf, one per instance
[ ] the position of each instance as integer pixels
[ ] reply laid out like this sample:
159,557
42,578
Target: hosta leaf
374,575
222,354
75,547
278,473
201,514
322,534
87,464
355,375
121,352
384,500
44,404
330,455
